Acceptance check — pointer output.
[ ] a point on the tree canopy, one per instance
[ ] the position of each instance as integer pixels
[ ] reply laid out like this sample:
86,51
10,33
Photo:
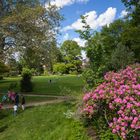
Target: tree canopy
114,46
26,26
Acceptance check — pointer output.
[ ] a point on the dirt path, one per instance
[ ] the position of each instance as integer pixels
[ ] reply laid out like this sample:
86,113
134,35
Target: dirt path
57,99
43,95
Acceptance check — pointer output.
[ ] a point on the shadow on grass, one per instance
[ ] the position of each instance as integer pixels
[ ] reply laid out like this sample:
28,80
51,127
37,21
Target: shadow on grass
3,115
3,128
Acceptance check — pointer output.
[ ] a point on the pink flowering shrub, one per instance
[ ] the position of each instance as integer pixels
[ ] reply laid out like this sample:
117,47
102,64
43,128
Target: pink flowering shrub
118,100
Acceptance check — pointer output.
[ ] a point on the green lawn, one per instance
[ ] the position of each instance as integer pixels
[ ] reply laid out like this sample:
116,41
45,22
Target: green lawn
4,84
46,122
41,123
60,85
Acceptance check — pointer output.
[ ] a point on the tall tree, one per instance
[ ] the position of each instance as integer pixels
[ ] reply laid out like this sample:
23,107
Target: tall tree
27,25
71,52
131,36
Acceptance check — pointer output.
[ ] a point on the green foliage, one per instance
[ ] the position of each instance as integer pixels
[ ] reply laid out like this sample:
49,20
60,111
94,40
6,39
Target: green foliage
1,77
130,3
43,86
51,55
70,67
3,68
12,86
60,68
25,83
121,57
85,34
106,134
70,49
88,75
42,123
71,52
131,38
73,72
113,48
46,73
14,66
28,26
92,79
99,125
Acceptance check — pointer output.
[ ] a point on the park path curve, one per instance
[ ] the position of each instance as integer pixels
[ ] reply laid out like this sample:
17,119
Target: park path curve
57,99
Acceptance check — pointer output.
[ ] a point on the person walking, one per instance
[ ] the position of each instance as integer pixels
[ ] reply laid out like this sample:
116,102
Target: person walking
17,99
22,102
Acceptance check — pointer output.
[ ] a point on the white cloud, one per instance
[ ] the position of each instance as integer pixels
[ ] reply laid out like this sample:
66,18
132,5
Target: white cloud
66,37
123,13
93,20
62,3
84,56
80,41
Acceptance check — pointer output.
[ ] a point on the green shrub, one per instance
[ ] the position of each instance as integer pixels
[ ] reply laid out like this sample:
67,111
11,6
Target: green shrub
120,58
13,73
46,73
92,79
33,71
70,67
25,83
88,76
1,77
60,68
12,86
73,72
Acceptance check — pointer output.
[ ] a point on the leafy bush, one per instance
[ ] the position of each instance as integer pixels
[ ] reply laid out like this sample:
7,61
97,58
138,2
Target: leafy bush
120,58
33,72
60,68
12,86
46,73
73,72
70,67
25,83
91,78
1,77
118,101
13,73
88,75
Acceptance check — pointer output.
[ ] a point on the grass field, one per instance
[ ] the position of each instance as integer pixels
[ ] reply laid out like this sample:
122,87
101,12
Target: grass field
60,85
41,123
47,122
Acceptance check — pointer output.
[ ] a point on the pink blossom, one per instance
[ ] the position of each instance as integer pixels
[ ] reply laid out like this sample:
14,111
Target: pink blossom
120,92
114,130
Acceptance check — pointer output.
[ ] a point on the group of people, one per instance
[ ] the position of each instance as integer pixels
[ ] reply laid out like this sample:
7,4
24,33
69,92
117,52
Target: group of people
14,98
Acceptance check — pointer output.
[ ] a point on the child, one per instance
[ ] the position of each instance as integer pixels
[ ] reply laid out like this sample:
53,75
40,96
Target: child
15,109
16,98
4,98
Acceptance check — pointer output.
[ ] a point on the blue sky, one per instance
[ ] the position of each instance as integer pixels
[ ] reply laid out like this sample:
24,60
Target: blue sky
100,13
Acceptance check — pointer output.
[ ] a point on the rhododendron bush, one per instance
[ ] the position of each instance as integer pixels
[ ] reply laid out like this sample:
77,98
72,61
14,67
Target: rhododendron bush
118,100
